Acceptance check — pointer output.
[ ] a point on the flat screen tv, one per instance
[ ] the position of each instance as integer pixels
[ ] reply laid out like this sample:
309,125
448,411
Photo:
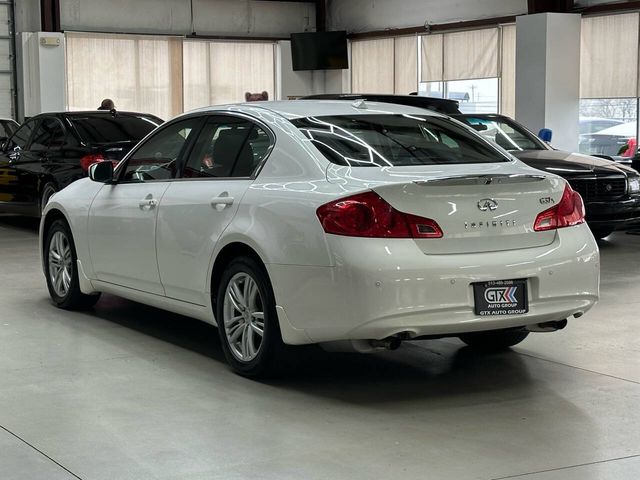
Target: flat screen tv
319,50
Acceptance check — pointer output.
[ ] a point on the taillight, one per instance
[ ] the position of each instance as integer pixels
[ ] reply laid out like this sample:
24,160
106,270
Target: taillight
570,211
369,215
88,160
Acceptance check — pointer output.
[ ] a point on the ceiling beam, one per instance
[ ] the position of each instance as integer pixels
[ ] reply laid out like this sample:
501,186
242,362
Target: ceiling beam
50,15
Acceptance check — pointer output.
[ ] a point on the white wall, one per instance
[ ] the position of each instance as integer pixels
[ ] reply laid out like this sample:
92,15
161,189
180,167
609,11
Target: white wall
366,15
300,83
211,17
27,15
42,73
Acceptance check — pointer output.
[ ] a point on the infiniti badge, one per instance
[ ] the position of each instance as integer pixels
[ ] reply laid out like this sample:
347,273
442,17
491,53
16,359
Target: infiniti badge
487,204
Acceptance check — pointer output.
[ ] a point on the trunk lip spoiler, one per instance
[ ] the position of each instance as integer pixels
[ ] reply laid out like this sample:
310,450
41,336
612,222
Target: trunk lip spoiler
499,179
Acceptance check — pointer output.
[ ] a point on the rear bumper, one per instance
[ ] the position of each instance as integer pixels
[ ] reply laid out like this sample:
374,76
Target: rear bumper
380,288
617,214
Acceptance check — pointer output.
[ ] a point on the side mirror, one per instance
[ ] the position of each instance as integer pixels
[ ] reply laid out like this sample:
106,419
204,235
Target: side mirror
545,134
3,143
101,172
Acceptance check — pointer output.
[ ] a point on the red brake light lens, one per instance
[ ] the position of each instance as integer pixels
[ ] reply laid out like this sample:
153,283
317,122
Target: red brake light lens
369,215
570,211
88,160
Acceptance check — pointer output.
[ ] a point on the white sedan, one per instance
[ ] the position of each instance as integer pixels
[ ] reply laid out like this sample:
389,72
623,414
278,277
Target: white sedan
356,226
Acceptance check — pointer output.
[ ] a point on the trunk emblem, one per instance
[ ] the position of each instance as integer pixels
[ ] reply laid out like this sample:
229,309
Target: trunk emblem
487,204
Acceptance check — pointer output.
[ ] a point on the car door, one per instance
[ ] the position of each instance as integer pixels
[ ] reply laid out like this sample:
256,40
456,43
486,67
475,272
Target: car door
122,217
196,209
12,189
38,163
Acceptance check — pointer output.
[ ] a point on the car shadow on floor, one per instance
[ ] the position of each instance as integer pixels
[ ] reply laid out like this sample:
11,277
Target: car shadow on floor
183,332
424,369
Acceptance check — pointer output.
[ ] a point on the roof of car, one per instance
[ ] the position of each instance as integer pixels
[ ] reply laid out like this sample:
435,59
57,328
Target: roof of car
309,108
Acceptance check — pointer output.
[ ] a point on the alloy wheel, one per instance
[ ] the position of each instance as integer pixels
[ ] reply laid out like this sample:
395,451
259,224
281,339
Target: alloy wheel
60,263
243,317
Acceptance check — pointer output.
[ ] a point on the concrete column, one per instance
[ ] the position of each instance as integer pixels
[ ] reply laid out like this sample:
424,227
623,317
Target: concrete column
43,73
548,75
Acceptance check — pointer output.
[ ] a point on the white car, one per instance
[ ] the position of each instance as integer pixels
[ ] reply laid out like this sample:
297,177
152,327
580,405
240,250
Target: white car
350,225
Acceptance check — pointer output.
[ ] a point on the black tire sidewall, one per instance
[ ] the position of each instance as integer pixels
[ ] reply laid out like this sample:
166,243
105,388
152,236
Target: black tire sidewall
44,196
601,233
271,340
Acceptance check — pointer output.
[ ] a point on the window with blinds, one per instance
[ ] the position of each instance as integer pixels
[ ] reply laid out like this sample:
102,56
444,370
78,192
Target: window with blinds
609,56
164,75
140,73
388,65
609,84
475,67
218,72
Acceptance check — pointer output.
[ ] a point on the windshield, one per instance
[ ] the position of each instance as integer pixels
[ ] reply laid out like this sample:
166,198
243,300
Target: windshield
507,134
395,140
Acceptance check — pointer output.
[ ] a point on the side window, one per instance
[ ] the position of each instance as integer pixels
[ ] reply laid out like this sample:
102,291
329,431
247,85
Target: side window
22,135
50,134
157,158
8,128
227,147
448,141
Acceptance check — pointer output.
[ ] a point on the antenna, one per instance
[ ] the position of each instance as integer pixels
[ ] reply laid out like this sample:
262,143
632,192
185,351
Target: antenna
359,104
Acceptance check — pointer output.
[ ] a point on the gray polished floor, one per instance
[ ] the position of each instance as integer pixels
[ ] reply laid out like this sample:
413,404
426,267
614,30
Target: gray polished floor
130,392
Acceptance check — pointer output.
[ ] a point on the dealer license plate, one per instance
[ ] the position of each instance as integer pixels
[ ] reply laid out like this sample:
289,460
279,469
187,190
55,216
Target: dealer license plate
501,297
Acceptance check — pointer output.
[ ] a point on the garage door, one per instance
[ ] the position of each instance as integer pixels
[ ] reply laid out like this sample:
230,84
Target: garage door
7,60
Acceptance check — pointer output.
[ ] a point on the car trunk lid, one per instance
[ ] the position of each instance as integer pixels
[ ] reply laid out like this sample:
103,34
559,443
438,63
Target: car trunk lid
478,208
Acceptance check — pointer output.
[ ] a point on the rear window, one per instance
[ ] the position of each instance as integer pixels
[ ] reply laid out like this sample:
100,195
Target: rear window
396,140
97,129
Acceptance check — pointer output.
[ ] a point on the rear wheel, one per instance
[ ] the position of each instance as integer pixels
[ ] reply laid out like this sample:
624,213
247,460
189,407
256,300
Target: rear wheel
247,320
494,340
602,232
60,264
47,191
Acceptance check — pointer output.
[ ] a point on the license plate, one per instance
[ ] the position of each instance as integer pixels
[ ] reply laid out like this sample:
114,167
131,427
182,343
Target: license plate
501,297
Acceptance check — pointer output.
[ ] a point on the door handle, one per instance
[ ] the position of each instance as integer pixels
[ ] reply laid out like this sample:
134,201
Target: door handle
148,204
221,202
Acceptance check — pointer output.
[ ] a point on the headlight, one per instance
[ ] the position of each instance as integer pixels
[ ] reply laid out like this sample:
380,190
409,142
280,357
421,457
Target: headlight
633,185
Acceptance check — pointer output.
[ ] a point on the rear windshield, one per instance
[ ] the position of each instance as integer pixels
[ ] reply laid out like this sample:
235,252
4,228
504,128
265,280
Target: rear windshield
396,140
97,129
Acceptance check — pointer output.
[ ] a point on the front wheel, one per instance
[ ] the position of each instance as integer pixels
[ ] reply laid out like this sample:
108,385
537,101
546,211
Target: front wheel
494,340
247,320
60,264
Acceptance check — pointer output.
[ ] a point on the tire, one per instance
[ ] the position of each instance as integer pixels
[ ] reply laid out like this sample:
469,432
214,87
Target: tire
494,340
48,190
240,322
61,272
602,232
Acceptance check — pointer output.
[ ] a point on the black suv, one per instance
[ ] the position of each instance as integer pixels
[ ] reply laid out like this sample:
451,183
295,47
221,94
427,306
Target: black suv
51,150
610,190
